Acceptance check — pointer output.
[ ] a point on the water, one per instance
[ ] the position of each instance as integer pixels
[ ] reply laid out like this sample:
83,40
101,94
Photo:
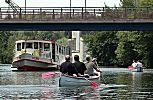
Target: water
121,84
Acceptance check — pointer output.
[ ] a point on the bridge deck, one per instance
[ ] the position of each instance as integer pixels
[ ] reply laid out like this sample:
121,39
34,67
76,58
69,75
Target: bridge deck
64,18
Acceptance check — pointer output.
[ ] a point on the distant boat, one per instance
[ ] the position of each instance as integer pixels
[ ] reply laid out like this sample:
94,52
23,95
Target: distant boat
31,55
137,69
71,81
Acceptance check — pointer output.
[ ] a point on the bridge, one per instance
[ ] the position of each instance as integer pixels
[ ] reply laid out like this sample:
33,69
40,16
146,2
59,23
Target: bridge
77,18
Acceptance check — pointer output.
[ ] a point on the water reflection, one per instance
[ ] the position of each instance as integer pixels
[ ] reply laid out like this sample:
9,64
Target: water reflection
120,84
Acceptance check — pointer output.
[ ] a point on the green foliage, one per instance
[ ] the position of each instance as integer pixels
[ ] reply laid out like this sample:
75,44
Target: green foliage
121,47
63,41
136,3
127,3
146,3
125,51
102,46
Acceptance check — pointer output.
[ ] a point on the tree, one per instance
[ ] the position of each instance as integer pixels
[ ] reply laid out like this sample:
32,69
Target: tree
146,3
102,45
127,3
125,51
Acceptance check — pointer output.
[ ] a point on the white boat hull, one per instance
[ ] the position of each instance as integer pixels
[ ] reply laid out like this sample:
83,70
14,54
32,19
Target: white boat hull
69,81
137,69
30,62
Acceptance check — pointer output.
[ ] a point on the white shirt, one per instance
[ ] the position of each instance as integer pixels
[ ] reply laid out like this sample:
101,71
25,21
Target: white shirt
134,64
139,64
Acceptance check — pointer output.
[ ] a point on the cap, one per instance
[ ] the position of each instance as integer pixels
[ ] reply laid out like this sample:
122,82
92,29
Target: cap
87,56
94,59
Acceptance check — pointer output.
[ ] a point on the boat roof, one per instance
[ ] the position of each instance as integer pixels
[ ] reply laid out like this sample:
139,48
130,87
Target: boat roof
44,41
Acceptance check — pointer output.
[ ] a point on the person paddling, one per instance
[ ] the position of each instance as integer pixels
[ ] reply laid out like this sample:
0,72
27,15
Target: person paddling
91,66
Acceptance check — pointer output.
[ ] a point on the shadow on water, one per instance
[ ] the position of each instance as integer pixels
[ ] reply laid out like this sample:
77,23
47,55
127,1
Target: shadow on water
120,84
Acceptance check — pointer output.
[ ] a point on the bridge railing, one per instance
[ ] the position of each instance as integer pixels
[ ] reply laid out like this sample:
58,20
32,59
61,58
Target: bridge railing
76,13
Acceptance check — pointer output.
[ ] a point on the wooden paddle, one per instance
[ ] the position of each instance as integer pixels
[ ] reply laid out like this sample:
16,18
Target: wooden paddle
48,74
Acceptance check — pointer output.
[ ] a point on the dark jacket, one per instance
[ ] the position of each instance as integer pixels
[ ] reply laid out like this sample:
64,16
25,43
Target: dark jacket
68,67
80,67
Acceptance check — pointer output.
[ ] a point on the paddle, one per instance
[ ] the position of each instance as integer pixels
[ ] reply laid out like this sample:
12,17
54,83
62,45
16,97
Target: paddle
129,67
48,74
92,83
101,73
103,79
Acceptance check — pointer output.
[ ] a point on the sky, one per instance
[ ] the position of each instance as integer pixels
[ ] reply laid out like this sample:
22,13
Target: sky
62,3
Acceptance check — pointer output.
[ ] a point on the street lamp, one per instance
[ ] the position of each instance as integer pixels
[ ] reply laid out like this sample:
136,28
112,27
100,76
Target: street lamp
70,3
85,5
25,6
70,8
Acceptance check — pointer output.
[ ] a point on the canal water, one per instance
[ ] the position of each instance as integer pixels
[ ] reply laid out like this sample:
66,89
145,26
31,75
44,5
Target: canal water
115,84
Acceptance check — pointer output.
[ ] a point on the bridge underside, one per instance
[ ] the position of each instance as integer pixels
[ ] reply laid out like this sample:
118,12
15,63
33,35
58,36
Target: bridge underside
77,26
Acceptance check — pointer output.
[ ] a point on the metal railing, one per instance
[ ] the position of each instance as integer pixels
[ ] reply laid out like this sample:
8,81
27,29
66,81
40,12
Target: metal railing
76,13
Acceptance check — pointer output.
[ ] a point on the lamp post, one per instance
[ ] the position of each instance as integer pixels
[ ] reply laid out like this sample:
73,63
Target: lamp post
85,5
25,6
70,8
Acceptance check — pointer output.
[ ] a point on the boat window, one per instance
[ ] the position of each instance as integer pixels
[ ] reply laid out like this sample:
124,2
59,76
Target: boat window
35,45
18,46
23,44
46,47
53,51
40,45
64,50
29,45
59,49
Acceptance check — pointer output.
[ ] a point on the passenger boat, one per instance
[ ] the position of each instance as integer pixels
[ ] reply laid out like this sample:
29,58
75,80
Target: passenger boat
71,81
138,69
38,55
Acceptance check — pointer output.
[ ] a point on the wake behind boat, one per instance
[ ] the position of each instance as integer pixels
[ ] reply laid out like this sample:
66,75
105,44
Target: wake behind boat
38,55
71,81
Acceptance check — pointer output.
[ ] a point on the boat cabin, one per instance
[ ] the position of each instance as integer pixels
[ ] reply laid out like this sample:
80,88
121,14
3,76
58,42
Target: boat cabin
43,49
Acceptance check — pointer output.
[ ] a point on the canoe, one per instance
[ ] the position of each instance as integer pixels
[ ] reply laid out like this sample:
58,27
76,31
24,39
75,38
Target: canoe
69,81
138,69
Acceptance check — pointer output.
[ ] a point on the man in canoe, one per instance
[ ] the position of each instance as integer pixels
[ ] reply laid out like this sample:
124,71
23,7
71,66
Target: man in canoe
134,64
80,66
67,67
91,66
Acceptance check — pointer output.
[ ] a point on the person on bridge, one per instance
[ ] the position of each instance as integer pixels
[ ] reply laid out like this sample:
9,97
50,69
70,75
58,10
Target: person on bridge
91,67
68,68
